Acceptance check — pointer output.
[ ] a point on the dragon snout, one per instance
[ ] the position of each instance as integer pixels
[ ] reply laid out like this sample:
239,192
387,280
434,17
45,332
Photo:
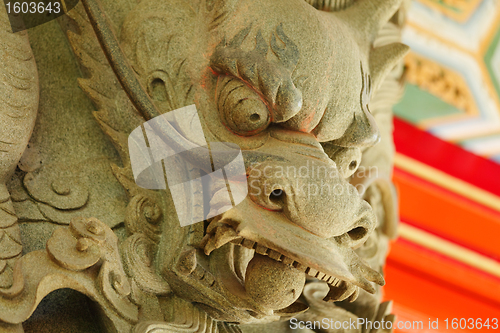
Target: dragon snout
315,196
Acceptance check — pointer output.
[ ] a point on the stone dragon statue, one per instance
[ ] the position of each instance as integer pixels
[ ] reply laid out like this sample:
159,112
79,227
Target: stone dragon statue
298,83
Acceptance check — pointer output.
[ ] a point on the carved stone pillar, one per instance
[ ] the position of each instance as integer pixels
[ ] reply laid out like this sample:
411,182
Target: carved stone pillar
304,89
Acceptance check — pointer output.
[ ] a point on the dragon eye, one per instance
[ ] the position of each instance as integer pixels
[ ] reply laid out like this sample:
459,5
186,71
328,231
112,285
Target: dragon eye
242,109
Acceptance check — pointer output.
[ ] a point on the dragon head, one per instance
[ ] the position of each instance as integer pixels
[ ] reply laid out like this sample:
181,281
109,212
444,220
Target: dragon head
290,85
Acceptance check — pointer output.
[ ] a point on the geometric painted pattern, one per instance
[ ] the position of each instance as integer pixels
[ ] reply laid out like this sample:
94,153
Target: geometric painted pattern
458,10
434,94
455,90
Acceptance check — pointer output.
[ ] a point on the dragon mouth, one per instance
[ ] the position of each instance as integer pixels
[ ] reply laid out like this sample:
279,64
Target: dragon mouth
339,289
271,235
275,255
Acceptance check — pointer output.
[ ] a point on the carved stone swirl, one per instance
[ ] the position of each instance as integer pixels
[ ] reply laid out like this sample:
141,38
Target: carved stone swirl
83,257
306,85
18,108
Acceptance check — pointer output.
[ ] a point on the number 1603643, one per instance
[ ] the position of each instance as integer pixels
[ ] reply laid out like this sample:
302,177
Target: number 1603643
33,7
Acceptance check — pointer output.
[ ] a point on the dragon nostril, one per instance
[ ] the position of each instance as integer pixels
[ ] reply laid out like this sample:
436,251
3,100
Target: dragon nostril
277,192
357,233
277,195
255,117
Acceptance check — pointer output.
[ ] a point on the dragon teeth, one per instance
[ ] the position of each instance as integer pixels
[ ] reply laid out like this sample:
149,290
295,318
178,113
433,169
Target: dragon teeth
326,278
237,241
248,244
336,282
275,255
300,267
263,250
260,249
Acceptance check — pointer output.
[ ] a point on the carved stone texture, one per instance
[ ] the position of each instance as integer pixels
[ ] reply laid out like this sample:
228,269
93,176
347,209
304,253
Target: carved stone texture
304,88
18,108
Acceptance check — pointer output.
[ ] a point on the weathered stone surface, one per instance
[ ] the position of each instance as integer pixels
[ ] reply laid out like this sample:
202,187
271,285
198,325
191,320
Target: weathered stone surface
304,88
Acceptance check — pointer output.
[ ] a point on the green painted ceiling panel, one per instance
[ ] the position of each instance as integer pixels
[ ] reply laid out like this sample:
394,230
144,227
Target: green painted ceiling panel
417,105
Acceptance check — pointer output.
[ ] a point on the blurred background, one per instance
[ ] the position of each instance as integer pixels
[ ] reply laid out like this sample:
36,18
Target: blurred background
446,262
